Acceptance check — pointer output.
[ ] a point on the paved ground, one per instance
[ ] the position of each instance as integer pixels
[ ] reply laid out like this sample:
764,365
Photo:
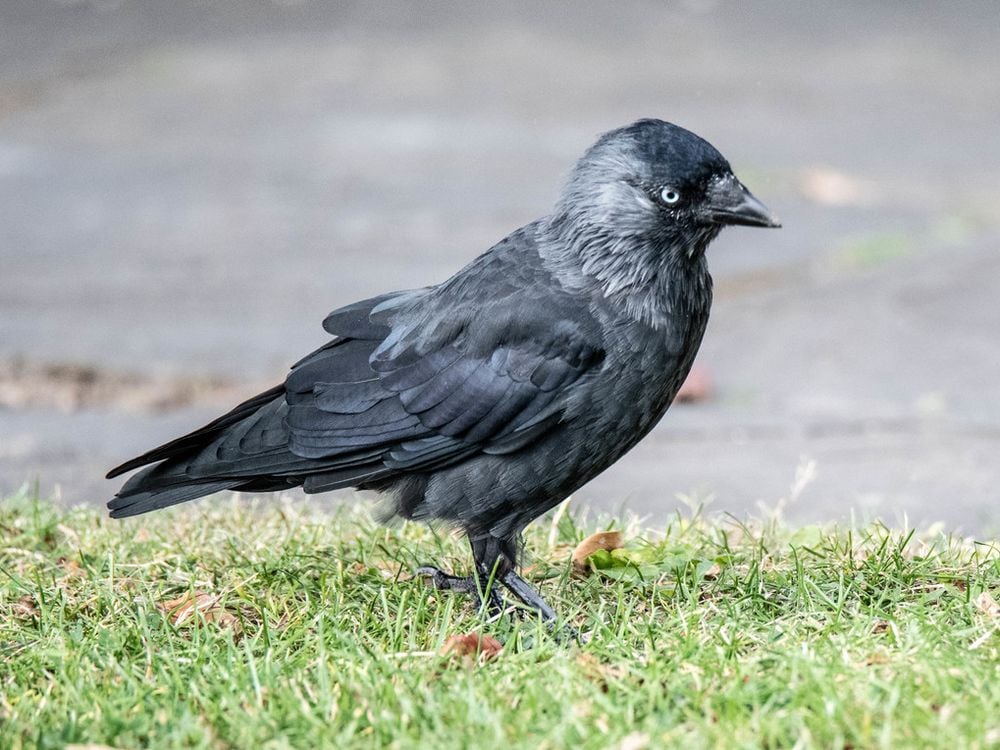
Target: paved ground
187,189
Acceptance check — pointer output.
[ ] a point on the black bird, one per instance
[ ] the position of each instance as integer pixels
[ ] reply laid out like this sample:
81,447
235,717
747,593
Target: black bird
485,400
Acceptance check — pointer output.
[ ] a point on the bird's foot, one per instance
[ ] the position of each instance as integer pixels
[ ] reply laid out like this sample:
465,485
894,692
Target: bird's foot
493,602
490,600
526,594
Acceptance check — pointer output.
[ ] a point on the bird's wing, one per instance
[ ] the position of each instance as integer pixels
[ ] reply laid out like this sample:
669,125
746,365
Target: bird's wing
413,381
489,383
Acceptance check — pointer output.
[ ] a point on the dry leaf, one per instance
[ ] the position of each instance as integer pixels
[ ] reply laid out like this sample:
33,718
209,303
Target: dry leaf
713,573
988,605
25,607
68,532
471,646
71,568
696,387
606,540
598,671
182,611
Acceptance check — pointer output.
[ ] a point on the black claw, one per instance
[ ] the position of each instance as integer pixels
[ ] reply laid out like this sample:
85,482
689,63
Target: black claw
493,602
527,595
442,581
492,571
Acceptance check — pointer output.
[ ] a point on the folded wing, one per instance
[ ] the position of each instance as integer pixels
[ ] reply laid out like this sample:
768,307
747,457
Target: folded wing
392,394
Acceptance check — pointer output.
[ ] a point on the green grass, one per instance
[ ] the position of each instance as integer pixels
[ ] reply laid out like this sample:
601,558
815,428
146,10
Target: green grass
704,633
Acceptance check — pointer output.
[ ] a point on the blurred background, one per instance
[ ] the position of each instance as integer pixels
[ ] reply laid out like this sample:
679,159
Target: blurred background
187,188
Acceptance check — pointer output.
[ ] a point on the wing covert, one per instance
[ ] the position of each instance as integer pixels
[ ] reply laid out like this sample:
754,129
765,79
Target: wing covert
431,391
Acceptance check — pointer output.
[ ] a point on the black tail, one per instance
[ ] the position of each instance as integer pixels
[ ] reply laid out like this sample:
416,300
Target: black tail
146,497
194,441
345,438
166,483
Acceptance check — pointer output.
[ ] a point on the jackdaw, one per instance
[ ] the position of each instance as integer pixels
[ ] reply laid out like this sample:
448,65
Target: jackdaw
487,399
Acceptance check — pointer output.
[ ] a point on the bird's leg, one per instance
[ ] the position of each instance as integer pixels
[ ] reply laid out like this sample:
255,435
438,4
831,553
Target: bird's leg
491,599
445,581
481,584
500,556
495,563
526,594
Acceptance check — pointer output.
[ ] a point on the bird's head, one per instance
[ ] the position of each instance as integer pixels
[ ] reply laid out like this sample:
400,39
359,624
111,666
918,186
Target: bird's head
654,180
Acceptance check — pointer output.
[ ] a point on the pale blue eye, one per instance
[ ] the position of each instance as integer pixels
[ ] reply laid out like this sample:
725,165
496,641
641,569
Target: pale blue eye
669,196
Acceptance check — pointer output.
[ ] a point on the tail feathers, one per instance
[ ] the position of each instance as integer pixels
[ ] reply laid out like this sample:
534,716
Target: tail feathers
187,444
160,486
123,506
164,485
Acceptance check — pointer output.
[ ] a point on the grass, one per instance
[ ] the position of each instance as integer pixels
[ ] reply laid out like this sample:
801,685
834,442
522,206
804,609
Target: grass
308,633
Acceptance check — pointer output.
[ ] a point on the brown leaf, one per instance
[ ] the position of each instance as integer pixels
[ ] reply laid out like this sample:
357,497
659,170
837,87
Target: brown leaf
71,568
713,573
696,387
606,540
185,610
600,672
472,646
986,604
25,607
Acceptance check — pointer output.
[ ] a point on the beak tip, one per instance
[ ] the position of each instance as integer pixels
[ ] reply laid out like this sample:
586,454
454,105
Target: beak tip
729,202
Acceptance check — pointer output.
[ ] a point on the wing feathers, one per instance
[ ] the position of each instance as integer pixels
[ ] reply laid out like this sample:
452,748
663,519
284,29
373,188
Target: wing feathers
398,392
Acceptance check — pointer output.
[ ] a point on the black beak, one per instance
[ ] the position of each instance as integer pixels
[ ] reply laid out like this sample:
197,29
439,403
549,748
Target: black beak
729,202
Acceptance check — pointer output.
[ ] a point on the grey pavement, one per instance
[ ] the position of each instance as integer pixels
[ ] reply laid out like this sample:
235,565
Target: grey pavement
188,188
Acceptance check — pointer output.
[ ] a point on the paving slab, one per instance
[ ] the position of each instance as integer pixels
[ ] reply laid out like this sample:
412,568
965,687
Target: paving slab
188,188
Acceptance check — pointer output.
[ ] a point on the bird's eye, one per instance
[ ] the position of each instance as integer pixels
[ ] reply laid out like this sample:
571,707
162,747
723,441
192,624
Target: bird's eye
669,196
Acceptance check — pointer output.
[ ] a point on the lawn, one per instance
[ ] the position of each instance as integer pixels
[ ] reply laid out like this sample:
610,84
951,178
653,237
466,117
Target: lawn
235,624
